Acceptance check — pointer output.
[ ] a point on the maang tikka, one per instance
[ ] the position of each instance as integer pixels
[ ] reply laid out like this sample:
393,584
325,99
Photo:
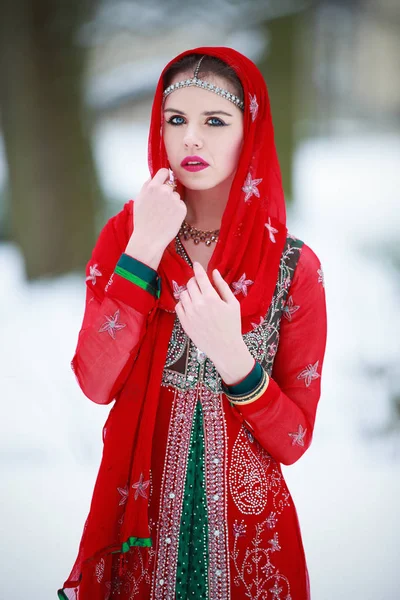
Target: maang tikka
205,85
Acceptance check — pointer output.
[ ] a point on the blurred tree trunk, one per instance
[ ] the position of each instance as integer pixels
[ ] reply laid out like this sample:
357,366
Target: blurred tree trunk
279,69
53,184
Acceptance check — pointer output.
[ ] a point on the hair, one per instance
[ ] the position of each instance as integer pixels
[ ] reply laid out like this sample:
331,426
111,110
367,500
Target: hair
210,65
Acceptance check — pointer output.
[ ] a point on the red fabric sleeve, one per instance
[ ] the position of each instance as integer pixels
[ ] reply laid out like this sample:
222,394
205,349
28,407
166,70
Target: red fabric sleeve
282,419
114,321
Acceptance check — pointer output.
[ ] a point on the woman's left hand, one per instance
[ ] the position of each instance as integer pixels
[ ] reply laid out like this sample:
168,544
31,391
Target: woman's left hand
211,318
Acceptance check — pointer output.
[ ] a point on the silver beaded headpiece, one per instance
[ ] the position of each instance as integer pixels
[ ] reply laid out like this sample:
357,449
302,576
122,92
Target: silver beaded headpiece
205,85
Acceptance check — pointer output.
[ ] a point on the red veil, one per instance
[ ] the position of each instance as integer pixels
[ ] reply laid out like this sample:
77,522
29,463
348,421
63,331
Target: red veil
252,237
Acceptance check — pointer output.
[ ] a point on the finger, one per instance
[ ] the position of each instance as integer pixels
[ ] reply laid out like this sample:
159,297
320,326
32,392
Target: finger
192,287
223,288
161,176
184,299
202,279
180,313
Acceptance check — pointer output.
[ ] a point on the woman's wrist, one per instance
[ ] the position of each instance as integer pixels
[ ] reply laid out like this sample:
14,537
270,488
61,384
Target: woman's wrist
144,252
238,363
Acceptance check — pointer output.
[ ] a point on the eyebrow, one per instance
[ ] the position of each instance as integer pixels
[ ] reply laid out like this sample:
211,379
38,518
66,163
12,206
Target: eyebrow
207,113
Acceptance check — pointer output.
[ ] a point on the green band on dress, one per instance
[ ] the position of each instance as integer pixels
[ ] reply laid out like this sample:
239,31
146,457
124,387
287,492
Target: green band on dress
192,567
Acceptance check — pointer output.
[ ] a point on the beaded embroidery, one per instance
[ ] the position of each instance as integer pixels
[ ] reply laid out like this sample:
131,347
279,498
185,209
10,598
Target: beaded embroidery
254,478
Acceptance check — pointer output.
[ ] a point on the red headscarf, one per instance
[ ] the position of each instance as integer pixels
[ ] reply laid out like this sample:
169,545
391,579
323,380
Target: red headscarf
252,237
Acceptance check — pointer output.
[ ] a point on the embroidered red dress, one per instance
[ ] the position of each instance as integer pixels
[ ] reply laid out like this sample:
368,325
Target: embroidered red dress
190,501
238,530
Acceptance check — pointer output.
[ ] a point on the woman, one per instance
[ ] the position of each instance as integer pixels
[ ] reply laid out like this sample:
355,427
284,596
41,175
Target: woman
206,322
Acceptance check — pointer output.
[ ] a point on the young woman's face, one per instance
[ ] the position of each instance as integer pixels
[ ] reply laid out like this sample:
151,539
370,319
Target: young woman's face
200,124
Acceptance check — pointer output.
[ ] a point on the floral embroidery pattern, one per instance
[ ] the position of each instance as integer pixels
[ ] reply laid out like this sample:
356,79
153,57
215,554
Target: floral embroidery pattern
256,571
289,309
178,289
253,107
298,437
241,285
247,477
263,340
141,487
99,571
112,325
124,493
171,493
250,187
309,374
271,231
321,277
275,543
258,324
94,272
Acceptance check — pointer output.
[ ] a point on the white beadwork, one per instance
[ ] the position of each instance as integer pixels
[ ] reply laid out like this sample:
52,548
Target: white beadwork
247,477
100,570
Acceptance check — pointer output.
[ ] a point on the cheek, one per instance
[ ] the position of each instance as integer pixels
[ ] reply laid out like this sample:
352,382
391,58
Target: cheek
235,148
169,142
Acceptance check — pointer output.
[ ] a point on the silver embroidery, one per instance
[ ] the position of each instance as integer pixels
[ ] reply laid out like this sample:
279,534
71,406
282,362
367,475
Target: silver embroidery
241,285
298,437
289,309
124,495
178,289
216,462
171,494
271,231
140,487
247,477
309,374
99,572
94,272
112,325
250,187
321,277
177,344
253,107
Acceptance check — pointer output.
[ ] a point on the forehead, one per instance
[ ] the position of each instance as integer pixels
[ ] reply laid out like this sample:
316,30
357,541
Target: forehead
196,99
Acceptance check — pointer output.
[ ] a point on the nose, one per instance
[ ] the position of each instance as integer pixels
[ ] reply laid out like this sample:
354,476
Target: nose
192,139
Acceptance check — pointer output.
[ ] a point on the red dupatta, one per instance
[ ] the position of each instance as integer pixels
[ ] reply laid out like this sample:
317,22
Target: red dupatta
252,237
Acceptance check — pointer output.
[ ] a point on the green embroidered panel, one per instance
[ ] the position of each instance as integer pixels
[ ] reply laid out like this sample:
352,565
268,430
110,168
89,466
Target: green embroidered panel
192,568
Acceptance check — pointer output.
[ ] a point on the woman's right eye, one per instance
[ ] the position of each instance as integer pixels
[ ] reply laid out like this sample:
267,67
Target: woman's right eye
173,122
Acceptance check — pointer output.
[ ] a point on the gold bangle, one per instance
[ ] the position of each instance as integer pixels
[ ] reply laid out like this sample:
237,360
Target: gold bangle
253,396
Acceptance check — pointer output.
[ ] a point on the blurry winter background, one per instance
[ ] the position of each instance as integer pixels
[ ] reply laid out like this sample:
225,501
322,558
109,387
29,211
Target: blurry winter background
76,86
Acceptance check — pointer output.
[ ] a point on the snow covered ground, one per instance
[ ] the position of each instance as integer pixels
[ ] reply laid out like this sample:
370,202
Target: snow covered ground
346,487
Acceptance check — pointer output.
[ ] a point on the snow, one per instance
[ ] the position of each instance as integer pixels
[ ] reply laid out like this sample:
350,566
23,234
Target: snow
346,487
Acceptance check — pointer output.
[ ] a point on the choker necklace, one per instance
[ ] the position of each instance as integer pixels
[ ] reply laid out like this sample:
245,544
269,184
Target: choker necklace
197,235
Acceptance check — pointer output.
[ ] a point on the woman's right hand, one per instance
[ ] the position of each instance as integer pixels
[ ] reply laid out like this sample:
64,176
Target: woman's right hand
158,212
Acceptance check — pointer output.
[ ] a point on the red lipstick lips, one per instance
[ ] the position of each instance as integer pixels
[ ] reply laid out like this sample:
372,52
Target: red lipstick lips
194,163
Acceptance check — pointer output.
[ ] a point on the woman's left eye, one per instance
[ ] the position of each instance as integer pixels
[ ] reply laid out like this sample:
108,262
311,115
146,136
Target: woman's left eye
217,122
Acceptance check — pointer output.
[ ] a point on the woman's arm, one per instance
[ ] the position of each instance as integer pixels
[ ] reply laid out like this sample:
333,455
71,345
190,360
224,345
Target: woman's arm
121,295
282,419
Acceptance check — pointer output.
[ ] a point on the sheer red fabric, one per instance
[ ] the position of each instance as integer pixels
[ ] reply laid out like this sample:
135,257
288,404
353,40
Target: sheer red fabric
129,366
